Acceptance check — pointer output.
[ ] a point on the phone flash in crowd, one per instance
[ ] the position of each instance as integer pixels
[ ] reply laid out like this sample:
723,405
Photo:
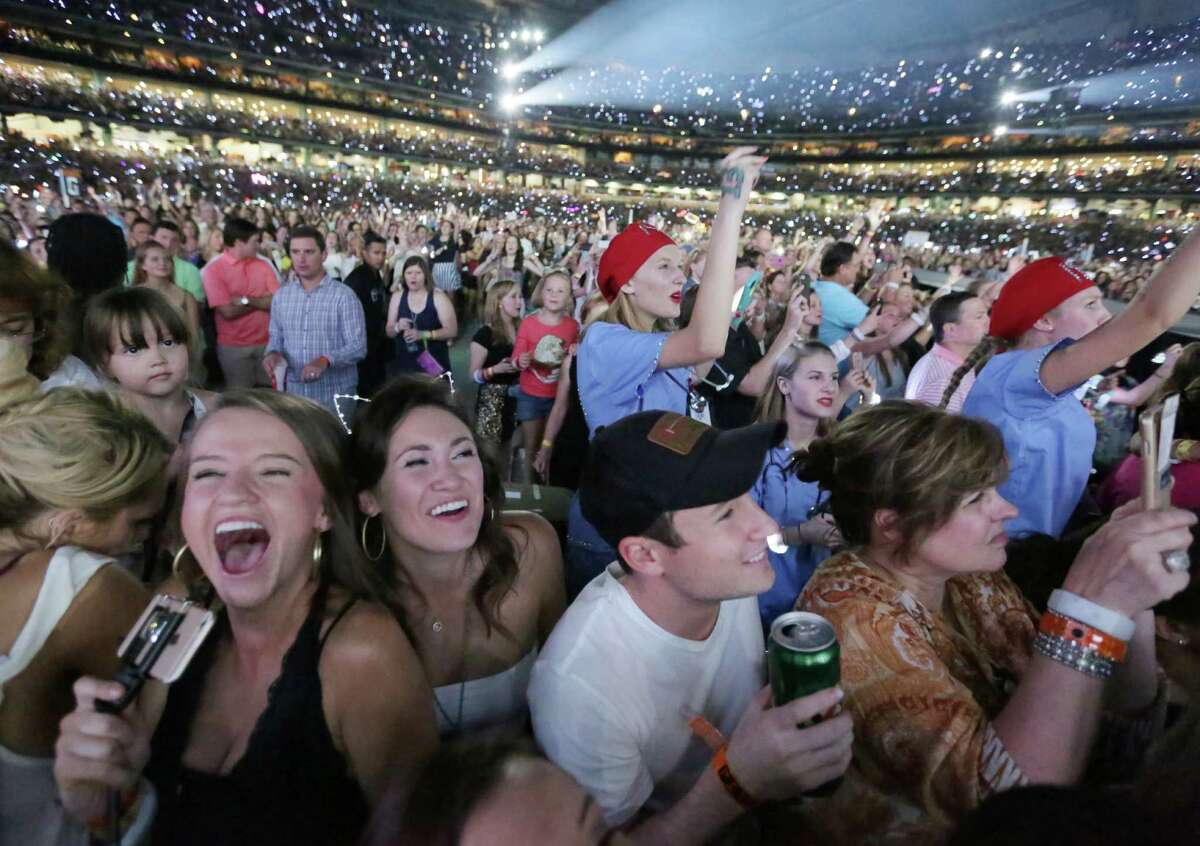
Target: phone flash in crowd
775,544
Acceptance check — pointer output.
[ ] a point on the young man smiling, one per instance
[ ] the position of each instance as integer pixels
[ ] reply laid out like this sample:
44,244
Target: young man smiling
658,664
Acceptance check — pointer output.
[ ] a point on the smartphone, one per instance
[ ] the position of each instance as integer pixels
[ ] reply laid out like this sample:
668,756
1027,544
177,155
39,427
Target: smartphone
1157,428
165,638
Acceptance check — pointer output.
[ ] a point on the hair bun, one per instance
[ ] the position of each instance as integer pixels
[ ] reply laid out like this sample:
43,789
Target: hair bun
816,463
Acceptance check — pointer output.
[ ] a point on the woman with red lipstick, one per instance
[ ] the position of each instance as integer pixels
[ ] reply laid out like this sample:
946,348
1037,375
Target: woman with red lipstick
804,392
479,590
305,700
958,690
635,358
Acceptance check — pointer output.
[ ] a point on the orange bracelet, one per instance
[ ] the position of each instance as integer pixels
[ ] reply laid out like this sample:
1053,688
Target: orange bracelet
1084,636
729,781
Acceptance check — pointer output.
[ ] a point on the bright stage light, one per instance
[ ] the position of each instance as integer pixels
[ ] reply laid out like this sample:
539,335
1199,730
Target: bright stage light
509,102
538,36
510,71
1000,131
1009,97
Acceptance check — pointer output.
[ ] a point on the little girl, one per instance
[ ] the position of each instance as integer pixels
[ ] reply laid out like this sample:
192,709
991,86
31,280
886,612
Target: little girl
136,338
542,342
154,268
803,391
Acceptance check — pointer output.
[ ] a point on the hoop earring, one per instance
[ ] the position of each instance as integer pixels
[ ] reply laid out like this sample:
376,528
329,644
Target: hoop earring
382,539
176,561
318,549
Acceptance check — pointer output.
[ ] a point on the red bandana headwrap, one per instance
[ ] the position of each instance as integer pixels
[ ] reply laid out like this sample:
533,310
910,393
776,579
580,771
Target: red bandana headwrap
628,252
1031,292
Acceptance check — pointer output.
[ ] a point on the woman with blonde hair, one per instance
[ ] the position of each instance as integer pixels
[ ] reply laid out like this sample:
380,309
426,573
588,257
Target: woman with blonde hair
81,477
958,688
493,370
306,699
804,391
635,358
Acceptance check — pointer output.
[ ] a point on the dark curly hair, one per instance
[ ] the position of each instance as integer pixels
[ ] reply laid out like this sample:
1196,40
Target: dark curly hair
367,460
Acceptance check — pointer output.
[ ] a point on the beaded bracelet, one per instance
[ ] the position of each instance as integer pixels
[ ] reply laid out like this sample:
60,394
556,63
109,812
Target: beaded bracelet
1083,636
1086,661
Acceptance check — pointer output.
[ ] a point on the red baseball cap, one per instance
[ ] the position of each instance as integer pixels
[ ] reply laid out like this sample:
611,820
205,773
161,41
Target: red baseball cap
1031,292
628,252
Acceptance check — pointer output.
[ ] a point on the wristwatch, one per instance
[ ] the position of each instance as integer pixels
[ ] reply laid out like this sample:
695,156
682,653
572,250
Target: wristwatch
244,301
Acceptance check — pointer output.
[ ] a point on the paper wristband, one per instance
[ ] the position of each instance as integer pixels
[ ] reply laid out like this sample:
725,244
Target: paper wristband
1083,636
1097,616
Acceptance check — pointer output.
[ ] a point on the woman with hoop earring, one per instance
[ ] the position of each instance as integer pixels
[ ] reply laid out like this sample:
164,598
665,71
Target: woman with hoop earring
306,701
479,589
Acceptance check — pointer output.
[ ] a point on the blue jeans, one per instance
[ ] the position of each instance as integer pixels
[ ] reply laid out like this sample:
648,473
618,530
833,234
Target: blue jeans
587,553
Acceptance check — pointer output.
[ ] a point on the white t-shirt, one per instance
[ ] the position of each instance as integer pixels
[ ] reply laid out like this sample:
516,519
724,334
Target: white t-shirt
612,694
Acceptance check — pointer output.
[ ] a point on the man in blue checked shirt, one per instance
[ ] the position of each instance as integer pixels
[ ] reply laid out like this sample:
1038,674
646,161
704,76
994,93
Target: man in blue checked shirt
317,326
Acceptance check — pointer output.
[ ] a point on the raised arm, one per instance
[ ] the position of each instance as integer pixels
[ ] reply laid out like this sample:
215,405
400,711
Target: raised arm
1155,310
703,339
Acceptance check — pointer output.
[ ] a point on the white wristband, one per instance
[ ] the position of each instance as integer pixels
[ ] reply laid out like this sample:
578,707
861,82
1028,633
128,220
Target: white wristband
858,334
1089,613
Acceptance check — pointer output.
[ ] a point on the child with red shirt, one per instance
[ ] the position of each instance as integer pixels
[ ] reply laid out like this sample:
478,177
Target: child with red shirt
542,342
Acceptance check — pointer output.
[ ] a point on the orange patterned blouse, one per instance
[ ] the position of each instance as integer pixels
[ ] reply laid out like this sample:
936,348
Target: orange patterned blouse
922,694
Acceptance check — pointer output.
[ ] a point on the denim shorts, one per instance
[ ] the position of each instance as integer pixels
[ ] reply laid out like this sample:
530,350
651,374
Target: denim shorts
533,408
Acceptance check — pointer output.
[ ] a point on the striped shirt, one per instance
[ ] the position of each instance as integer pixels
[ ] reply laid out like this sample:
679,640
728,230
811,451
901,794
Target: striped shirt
930,376
326,321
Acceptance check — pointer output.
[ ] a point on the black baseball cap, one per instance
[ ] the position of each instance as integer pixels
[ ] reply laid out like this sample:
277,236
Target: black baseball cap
649,463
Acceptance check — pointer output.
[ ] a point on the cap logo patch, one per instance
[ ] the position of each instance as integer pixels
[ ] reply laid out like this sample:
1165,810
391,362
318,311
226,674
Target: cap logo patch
677,433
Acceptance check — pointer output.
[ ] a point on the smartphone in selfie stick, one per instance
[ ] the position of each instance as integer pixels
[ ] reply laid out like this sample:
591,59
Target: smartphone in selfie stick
159,646
1157,428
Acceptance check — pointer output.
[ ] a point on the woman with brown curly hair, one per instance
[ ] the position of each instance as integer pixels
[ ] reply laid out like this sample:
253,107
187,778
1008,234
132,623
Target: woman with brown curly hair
480,590
305,700
958,690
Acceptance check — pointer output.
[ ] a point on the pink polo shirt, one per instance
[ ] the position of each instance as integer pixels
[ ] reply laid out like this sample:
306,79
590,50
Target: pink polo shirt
930,376
226,280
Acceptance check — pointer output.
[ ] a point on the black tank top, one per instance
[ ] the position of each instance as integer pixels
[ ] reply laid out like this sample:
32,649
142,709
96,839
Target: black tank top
571,446
291,785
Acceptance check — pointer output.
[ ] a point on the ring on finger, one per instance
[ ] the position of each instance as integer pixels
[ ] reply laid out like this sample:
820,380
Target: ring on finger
1176,561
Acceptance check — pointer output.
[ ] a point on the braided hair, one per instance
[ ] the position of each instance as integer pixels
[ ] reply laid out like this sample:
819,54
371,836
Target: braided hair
975,361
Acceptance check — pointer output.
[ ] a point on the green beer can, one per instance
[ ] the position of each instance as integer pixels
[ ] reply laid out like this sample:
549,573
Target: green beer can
803,657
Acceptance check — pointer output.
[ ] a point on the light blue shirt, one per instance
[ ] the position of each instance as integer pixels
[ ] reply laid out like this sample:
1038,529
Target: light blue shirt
1049,438
841,311
326,321
787,500
618,375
